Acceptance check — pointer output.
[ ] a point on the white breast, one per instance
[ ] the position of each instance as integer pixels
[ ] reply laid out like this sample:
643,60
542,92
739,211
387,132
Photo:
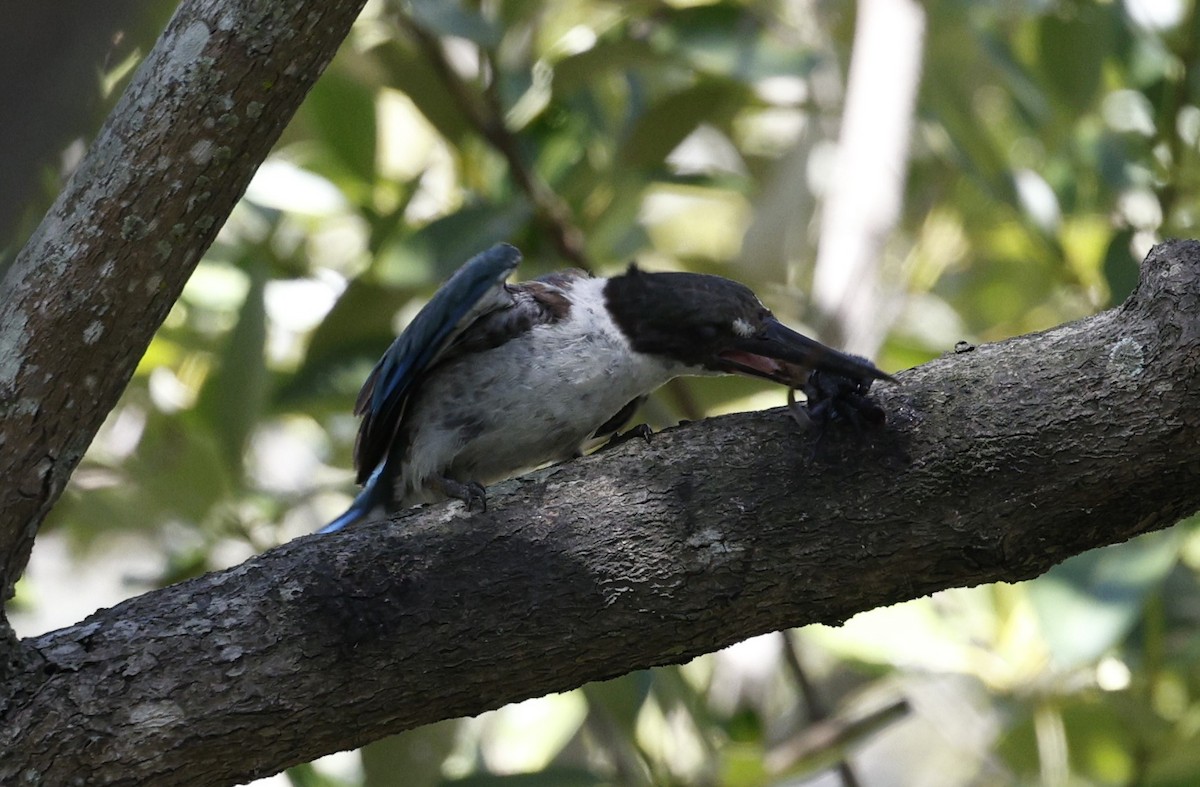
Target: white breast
532,400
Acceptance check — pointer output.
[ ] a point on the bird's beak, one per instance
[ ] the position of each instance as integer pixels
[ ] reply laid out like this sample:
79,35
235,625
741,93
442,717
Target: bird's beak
778,353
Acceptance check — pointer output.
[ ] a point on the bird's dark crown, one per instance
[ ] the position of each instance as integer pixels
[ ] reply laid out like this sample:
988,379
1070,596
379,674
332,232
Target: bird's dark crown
686,316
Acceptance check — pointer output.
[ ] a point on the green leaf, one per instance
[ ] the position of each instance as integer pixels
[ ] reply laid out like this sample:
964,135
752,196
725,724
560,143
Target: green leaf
621,699
417,754
1089,603
452,240
180,468
661,128
742,765
409,71
307,776
976,153
1073,46
1120,267
1101,741
342,111
551,777
345,345
609,56
232,399
723,39
452,18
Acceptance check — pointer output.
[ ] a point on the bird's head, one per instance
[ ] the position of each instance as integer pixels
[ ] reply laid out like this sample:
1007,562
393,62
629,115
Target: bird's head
717,324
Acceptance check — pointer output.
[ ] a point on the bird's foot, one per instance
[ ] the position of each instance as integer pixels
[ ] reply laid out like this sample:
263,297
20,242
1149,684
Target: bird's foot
642,431
469,492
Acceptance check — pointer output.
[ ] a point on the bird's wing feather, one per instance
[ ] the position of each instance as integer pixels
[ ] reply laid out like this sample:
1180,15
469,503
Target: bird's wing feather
541,301
474,290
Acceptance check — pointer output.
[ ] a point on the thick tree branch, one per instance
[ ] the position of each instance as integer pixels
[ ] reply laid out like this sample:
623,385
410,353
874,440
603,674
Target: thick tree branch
123,237
994,465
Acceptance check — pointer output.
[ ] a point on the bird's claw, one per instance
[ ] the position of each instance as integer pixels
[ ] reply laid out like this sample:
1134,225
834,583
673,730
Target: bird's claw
642,431
475,493
469,492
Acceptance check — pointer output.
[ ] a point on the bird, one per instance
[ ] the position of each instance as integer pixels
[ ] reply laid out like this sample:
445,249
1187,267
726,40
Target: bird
492,378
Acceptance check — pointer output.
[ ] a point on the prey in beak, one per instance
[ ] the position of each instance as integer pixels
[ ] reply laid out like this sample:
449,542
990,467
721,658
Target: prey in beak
836,385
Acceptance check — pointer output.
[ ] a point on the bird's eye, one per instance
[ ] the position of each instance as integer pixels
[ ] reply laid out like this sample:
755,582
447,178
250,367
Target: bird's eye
707,332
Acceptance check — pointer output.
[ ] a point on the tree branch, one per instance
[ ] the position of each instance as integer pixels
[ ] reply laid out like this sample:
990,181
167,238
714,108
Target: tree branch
995,464
158,182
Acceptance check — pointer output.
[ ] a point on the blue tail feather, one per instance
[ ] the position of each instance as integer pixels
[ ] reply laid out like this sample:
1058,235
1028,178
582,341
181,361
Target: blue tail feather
367,501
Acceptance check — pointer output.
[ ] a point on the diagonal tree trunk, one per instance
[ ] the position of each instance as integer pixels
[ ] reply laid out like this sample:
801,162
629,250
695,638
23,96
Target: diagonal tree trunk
995,464
86,294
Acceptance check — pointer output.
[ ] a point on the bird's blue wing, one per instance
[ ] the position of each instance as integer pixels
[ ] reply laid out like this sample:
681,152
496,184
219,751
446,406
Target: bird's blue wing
475,289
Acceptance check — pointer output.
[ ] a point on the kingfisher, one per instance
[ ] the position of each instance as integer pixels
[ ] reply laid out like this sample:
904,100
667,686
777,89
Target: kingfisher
492,378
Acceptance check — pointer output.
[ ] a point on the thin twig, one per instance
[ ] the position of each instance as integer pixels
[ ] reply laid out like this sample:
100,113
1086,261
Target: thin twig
485,113
817,710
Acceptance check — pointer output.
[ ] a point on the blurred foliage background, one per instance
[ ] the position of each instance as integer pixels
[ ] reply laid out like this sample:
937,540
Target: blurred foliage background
1047,145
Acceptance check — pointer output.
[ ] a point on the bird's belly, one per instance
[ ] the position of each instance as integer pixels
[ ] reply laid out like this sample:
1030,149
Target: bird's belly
490,415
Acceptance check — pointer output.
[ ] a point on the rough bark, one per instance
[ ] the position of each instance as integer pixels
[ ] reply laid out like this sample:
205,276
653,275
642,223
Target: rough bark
86,294
995,464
